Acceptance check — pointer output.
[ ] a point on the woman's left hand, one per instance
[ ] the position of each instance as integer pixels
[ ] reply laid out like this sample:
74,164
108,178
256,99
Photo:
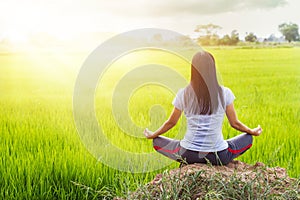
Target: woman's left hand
257,131
148,134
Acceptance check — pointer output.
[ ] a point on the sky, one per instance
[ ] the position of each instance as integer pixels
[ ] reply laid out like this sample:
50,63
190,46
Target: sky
66,19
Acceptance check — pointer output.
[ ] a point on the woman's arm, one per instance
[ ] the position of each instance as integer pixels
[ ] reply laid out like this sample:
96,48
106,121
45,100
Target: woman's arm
235,123
170,123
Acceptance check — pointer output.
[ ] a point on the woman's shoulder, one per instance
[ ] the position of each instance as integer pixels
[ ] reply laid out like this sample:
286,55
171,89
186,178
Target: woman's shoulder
228,95
180,91
226,90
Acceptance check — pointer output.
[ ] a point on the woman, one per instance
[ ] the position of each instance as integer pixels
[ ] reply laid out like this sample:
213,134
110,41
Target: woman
204,103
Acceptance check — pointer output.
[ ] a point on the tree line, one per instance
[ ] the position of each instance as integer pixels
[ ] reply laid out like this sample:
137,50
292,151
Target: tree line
208,34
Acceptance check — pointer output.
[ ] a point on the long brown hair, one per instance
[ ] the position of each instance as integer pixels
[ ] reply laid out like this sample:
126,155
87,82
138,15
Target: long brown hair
205,83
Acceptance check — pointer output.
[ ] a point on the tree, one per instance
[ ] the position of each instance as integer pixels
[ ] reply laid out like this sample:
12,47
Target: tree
251,37
208,29
234,39
208,34
289,31
225,40
209,40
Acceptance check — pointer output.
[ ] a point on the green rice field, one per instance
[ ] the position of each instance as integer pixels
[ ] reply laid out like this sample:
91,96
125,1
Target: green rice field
44,156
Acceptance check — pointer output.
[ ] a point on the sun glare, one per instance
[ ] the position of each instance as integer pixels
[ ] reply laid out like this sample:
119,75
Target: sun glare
28,20
17,37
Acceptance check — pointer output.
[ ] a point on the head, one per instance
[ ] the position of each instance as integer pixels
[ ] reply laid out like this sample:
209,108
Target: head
204,82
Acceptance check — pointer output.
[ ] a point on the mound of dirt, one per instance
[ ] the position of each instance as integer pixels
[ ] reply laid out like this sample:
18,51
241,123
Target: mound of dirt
237,180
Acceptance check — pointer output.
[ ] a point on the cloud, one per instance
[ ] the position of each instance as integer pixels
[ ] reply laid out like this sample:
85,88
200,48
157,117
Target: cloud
140,8
177,7
62,17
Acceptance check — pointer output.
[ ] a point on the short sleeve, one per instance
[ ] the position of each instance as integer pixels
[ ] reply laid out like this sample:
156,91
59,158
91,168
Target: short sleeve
178,101
229,96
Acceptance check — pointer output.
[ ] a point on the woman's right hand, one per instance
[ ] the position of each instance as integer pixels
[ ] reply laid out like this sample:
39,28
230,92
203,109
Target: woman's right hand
148,134
256,131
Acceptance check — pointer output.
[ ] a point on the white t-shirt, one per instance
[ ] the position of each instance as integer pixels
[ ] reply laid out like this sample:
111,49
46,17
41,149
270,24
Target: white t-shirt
204,132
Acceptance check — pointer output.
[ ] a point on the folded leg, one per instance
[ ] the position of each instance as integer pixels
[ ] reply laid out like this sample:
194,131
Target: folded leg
168,147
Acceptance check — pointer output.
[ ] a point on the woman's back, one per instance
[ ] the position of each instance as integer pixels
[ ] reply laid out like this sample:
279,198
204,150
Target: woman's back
204,131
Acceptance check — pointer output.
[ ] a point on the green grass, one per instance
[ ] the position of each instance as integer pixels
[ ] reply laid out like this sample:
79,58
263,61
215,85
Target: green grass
43,157
266,83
